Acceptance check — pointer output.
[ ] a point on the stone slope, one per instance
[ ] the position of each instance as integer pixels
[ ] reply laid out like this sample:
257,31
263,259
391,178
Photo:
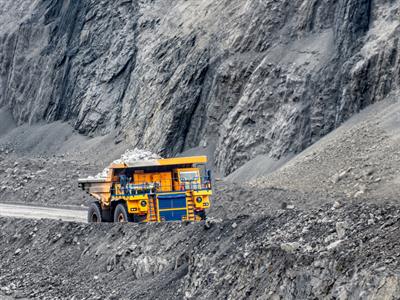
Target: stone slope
348,252
360,159
249,77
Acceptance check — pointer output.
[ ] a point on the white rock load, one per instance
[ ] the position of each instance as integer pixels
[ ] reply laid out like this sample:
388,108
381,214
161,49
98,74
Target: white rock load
128,157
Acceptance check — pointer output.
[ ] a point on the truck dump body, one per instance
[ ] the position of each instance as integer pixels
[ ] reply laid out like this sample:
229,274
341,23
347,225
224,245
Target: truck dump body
151,191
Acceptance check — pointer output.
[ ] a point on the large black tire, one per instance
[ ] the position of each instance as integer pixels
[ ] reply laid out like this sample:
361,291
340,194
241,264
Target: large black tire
94,213
107,215
121,214
138,219
201,214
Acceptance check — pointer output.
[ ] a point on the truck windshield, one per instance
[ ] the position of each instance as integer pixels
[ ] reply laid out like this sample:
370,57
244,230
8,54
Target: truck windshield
189,176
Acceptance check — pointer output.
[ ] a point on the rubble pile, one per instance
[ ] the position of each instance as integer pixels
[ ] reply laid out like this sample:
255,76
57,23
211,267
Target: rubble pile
43,180
335,251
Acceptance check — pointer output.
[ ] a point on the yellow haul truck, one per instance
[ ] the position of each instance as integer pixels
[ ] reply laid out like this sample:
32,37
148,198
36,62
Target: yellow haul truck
173,189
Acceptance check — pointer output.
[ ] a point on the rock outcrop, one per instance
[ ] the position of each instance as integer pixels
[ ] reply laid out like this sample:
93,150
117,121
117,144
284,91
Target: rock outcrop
247,77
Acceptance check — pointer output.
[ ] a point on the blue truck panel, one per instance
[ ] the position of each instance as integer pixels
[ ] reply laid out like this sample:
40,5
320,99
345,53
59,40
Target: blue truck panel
172,215
171,201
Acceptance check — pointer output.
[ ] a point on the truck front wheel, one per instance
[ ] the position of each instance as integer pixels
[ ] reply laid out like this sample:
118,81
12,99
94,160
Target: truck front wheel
121,214
94,213
201,214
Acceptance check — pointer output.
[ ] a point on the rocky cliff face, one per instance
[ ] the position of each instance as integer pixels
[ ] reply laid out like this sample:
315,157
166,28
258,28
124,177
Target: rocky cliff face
248,77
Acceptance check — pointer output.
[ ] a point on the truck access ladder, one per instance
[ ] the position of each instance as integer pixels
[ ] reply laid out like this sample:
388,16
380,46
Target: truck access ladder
152,215
190,208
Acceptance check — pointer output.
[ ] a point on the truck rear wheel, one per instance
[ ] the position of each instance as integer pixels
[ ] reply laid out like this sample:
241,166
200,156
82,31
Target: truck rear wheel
121,214
94,213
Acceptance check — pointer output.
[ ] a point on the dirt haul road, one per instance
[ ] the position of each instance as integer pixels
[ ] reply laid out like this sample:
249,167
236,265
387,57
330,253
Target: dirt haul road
36,212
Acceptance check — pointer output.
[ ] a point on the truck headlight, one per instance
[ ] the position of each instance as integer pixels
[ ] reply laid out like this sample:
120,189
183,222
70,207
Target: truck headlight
143,203
199,199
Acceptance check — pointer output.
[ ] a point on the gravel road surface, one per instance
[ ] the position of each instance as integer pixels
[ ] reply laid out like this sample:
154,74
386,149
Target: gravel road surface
36,212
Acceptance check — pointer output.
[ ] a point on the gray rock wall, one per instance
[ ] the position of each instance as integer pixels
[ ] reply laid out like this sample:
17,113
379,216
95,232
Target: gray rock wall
248,77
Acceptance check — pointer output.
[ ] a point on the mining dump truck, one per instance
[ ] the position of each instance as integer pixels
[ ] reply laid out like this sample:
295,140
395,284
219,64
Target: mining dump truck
159,190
